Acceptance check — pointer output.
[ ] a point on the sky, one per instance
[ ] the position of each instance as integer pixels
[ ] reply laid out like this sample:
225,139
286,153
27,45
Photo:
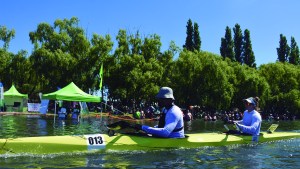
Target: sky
265,19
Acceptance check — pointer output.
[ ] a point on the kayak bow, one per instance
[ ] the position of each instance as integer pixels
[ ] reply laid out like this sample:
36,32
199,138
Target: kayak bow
103,142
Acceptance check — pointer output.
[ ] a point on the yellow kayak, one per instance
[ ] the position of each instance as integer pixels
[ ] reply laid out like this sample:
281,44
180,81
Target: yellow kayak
104,142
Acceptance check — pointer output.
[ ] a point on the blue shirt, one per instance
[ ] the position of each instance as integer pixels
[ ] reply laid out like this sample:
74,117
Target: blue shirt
251,123
174,120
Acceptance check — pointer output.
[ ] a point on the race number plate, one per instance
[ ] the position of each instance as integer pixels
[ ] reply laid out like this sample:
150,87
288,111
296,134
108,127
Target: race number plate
95,141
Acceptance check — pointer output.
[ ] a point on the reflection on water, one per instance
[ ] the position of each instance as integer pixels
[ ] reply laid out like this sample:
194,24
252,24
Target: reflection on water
279,154
27,126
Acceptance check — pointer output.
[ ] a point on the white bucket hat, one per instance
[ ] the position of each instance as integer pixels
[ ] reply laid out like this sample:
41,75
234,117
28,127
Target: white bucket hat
165,93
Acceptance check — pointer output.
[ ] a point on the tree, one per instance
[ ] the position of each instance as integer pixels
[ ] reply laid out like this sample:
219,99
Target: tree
201,79
99,54
62,54
238,43
227,44
20,69
283,79
249,58
284,50
137,75
135,42
151,47
189,41
6,36
246,82
123,44
5,60
294,55
197,39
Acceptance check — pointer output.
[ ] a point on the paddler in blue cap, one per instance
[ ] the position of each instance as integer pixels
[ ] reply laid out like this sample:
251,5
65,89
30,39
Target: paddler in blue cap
251,122
171,124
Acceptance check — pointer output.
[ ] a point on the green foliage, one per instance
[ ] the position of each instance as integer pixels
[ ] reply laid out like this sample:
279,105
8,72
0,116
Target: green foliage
284,50
200,79
135,42
247,82
294,55
249,58
63,54
189,41
193,40
197,39
227,45
6,36
136,75
151,47
283,79
123,45
5,69
238,43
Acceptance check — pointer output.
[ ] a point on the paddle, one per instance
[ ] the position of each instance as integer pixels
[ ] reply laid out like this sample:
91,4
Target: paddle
122,125
235,126
270,130
119,125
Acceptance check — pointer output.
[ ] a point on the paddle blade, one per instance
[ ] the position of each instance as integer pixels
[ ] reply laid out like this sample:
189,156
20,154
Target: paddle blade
272,128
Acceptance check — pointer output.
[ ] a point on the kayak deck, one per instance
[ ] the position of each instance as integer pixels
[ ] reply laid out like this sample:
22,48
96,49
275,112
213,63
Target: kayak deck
102,142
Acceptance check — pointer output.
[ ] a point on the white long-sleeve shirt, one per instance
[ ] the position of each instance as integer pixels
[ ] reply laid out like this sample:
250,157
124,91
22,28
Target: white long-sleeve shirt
251,123
173,120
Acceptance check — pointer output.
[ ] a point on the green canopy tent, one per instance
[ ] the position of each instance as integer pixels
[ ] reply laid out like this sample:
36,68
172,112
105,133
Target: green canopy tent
13,100
71,93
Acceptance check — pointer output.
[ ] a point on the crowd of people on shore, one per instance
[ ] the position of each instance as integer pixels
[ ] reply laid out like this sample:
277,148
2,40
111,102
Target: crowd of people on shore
151,111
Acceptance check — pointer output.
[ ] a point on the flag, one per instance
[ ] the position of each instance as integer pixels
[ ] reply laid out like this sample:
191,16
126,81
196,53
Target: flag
101,76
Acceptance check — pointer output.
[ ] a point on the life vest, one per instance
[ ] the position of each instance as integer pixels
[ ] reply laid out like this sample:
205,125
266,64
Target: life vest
187,117
162,121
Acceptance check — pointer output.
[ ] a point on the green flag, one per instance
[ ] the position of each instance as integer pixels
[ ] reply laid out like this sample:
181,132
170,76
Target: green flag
101,76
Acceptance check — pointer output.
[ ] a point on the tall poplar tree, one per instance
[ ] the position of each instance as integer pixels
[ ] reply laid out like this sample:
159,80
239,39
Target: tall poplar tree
197,39
284,50
249,58
227,44
189,41
238,43
294,55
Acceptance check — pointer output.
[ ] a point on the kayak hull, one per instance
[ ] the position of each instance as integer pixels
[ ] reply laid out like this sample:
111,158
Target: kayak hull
103,142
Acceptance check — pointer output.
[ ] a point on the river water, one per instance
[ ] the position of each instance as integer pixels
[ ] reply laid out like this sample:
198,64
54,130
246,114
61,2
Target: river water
278,154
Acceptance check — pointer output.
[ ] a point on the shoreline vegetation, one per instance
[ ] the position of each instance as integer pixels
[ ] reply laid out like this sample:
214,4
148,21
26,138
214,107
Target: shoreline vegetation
135,68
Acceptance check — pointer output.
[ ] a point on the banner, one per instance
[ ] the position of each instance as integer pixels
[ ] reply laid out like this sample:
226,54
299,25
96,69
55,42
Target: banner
33,107
44,106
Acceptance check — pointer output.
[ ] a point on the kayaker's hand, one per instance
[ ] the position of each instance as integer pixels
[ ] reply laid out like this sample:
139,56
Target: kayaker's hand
237,125
124,124
137,127
229,122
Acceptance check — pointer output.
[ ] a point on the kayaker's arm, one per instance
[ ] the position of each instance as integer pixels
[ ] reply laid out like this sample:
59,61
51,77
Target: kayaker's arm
252,129
170,125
